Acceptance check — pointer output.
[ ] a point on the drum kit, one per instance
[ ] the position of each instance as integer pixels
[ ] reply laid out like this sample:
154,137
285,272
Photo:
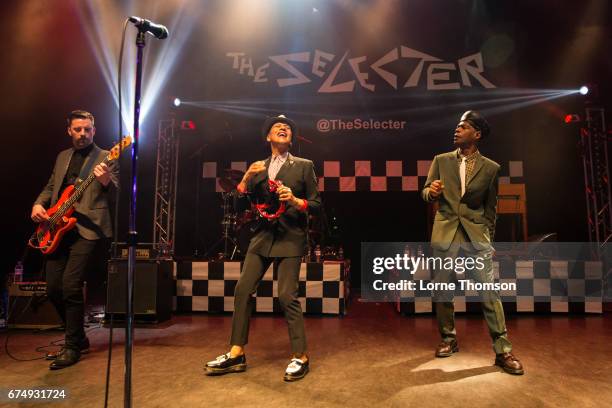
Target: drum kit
239,222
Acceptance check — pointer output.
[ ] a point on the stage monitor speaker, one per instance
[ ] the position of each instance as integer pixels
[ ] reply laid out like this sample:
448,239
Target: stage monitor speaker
30,308
152,290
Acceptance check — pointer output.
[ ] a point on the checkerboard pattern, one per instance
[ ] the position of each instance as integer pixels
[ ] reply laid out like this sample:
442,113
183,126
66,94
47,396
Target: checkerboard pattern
542,286
362,175
209,286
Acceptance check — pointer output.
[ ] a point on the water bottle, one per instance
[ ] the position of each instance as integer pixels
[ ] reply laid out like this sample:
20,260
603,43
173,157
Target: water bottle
317,252
18,275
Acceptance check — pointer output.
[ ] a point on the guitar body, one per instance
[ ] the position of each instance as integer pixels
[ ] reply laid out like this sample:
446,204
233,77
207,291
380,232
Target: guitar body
46,238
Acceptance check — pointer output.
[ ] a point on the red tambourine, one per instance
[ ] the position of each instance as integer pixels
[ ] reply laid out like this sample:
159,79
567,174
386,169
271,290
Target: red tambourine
273,186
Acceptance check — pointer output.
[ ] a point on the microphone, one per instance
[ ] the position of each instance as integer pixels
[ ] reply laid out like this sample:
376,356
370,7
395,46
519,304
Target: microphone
156,30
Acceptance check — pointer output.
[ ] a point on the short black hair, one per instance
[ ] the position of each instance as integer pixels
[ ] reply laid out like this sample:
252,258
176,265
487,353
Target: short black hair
79,114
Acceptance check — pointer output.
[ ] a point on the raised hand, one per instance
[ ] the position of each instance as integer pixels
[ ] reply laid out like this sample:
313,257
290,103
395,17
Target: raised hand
253,169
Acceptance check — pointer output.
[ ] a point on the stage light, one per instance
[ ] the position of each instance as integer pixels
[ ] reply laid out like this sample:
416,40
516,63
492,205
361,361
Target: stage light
572,117
584,90
188,125
177,102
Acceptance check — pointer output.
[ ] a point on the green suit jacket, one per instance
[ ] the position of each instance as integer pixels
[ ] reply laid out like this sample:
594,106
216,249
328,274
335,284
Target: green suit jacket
475,211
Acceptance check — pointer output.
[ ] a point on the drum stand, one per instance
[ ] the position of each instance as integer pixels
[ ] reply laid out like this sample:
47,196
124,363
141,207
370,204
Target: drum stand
229,218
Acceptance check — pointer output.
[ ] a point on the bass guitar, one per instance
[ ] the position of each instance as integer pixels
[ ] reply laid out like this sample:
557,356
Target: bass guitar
49,233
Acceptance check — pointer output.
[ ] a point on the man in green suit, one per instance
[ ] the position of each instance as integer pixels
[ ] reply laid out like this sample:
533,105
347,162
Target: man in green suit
464,183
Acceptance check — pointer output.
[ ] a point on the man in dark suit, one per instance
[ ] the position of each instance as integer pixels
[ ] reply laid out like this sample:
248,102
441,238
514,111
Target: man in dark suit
464,183
65,267
281,240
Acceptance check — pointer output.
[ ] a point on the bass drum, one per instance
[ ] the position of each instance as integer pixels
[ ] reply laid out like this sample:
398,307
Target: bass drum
246,231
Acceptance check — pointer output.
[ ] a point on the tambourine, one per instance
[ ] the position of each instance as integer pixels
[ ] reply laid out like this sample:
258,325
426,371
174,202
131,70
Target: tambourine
262,209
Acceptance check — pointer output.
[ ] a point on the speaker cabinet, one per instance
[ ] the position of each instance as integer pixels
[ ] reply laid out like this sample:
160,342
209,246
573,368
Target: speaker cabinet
153,290
30,308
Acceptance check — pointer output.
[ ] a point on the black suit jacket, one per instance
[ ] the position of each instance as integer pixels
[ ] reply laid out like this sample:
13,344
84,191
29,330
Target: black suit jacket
92,210
286,235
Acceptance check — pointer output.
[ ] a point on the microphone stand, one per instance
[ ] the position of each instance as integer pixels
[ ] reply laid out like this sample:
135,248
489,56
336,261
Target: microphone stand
133,234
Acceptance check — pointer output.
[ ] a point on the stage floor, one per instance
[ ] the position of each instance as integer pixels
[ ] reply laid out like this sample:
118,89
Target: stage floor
371,357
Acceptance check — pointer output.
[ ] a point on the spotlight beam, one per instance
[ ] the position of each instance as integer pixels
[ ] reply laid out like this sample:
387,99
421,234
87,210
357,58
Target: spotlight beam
495,104
104,38
520,105
484,102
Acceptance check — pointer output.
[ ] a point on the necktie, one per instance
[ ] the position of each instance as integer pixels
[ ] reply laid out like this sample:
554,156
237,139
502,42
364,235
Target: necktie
462,175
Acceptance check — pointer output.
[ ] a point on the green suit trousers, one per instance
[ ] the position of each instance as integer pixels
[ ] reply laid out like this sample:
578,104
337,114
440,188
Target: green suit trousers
491,303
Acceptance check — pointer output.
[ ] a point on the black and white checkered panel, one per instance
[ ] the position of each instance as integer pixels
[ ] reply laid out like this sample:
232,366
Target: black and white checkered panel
511,173
209,286
362,175
542,286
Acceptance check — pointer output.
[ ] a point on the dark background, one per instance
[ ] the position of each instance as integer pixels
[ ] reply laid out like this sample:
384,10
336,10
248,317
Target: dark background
50,68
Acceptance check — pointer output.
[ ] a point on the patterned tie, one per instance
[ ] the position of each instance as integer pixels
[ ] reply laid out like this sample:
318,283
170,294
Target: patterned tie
275,165
462,175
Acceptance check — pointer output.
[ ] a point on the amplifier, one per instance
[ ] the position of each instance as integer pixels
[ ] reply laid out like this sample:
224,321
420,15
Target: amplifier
144,250
30,308
153,290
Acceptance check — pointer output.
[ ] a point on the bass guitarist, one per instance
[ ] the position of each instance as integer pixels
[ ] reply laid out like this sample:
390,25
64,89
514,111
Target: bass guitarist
65,267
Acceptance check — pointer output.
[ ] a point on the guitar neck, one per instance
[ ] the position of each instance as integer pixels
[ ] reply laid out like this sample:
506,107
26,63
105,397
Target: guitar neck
78,193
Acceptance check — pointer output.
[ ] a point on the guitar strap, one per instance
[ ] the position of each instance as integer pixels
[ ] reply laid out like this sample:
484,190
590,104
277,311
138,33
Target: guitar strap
88,166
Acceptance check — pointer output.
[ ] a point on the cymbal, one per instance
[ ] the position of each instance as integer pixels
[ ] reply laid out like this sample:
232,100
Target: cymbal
233,174
228,185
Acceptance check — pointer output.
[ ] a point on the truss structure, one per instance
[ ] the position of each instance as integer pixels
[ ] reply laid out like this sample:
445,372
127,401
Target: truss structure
166,170
595,158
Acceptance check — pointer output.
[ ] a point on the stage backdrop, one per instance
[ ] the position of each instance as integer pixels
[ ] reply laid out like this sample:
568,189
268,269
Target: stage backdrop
376,88
377,92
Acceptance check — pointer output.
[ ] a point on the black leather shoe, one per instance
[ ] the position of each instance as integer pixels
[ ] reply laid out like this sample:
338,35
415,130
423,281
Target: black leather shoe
296,370
509,363
65,358
225,364
84,349
446,349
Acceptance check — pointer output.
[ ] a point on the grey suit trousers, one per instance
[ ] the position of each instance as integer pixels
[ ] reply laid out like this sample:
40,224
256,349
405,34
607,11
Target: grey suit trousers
253,270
